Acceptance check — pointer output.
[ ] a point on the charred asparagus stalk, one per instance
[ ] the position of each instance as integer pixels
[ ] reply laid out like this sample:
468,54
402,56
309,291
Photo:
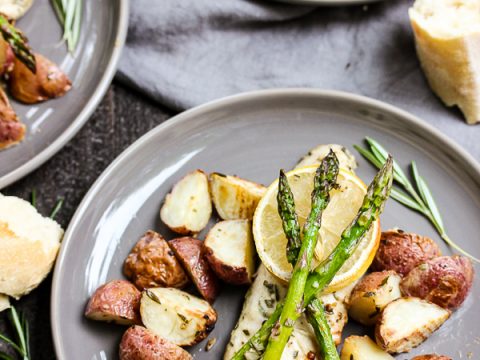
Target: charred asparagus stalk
19,43
316,318
324,181
286,210
372,206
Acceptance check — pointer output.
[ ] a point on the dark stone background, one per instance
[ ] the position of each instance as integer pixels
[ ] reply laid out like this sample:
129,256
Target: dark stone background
122,117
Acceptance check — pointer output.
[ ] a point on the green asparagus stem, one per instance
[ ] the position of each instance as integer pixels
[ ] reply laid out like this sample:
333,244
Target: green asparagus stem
286,210
375,199
324,181
372,206
19,43
316,317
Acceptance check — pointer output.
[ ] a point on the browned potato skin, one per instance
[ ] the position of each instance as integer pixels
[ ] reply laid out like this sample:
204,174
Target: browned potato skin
189,252
152,263
432,357
401,251
12,131
230,274
6,57
117,301
445,281
139,343
47,83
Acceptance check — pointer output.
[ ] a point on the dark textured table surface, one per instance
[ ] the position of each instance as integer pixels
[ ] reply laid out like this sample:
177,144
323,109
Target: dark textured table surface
122,118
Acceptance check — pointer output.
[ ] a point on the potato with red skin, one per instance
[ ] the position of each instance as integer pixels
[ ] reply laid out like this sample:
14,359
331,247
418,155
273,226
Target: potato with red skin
12,131
401,251
189,252
445,281
6,57
48,82
117,301
431,357
139,343
370,296
152,263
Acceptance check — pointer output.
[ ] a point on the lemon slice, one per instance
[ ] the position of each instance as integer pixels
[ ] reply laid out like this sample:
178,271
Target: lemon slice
344,204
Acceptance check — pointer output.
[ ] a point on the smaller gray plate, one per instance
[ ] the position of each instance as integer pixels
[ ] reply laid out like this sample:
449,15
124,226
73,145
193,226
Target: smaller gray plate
253,135
91,68
328,2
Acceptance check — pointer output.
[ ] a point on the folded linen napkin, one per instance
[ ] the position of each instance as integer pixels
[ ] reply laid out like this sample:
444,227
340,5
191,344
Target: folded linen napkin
183,53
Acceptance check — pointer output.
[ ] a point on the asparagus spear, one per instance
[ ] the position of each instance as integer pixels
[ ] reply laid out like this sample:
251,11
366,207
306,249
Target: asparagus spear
286,210
375,198
19,43
316,318
324,180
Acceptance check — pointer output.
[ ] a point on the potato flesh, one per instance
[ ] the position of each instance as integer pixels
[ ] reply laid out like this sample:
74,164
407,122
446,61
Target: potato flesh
232,244
407,322
362,348
187,208
4,302
235,198
176,316
366,305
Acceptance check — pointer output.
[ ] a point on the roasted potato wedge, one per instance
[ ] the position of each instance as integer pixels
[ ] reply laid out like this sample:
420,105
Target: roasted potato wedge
407,322
6,57
12,131
177,316
4,302
117,301
260,302
401,251
235,198
47,83
189,252
445,281
139,343
375,291
336,314
230,251
315,156
187,208
432,357
362,348
152,263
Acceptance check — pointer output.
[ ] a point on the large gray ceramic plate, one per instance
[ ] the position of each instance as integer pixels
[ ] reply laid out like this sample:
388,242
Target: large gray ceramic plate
252,135
329,2
91,68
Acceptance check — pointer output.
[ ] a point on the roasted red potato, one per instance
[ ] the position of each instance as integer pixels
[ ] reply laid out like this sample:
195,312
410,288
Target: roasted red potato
187,208
189,252
139,343
6,57
152,263
401,251
12,131
372,294
47,83
177,316
407,322
117,301
230,251
432,357
445,281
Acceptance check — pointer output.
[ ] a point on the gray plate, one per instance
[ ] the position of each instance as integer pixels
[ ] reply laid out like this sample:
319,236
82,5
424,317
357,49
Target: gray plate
53,123
328,2
252,135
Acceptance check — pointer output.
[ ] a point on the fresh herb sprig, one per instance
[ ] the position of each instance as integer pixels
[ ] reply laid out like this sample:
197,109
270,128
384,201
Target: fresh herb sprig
20,325
69,12
418,197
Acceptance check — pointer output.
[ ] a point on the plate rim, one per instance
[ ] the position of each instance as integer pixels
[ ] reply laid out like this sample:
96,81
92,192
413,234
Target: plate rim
327,2
209,106
91,105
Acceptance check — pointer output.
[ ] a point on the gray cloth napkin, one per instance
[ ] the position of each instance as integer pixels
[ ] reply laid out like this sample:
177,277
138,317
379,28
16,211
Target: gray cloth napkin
186,52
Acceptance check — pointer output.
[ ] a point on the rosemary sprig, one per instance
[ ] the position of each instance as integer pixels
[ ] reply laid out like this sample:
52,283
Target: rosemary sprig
57,208
34,198
418,197
69,13
20,325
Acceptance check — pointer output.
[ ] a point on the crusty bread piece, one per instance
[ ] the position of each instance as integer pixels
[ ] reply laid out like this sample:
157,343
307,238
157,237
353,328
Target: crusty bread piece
15,8
4,302
28,246
447,36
